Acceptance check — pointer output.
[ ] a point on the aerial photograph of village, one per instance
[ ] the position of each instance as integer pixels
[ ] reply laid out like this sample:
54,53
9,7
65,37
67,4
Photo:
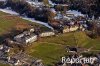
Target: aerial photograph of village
49,32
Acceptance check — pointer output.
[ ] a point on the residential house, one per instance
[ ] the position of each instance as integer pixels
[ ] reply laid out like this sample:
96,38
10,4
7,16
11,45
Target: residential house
5,48
46,34
69,26
38,63
58,16
66,29
69,14
74,28
72,49
52,13
14,61
61,7
1,47
32,30
35,3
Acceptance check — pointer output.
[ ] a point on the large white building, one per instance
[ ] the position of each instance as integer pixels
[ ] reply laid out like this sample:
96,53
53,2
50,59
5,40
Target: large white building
26,37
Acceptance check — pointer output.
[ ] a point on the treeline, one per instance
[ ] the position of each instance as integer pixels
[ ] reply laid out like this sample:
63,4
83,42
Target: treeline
25,9
94,29
90,7
2,4
60,1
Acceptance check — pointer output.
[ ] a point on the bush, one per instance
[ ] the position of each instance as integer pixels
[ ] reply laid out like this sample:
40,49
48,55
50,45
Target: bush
2,4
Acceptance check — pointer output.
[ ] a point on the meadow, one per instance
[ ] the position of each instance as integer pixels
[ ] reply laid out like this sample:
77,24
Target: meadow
9,22
51,49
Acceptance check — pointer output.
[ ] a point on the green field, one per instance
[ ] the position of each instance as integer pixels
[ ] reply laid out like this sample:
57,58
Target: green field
4,64
51,49
8,22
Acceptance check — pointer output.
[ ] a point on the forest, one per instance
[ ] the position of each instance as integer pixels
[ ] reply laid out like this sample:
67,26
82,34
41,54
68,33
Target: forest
89,7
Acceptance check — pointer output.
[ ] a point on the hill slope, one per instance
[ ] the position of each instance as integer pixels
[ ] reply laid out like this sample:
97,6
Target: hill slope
51,49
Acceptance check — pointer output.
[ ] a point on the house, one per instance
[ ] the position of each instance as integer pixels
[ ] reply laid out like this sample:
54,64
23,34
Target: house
71,49
5,48
59,15
14,61
22,59
48,33
26,37
66,29
70,26
52,13
64,25
74,28
61,7
35,3
17,62
38,63
32,30
1,47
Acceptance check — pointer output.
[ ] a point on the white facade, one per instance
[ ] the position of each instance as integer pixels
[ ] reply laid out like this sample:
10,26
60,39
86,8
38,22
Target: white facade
45,34
17,62
66,30
1,47
70,29
25,38
31,39
18,38
74,28
32,30
8,50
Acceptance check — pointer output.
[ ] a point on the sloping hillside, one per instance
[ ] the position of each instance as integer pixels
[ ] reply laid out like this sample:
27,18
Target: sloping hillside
7,22
51,49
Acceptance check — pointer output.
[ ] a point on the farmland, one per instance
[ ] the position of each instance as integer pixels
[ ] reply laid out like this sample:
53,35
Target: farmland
7,22
51,49
3,64
11,22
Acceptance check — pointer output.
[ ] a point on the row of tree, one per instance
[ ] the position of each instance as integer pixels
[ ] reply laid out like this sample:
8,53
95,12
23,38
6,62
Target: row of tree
25,9
2,3
90,7
94,29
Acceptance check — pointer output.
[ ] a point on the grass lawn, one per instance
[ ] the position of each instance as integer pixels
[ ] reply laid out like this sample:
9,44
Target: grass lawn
4,64
8,22
48,52
51,49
